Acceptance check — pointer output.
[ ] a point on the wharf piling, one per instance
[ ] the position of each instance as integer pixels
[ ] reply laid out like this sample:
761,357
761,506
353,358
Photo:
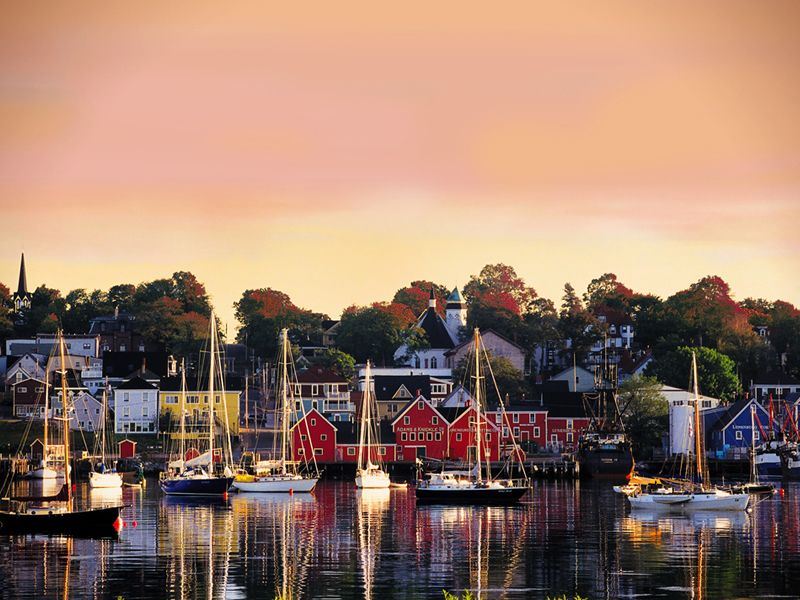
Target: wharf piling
13,467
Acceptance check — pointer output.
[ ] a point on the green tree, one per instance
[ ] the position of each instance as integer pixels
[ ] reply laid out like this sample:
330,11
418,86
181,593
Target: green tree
645,412
607,290
369,333
339,362
716,372
510,380
6,316
578,324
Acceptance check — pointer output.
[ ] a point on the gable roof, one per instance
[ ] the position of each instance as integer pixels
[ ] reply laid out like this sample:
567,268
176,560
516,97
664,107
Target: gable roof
733,411
313,413
122,364
470,340
434,326
347,433
386,386
136,383
413,402
468,409
233,383
318,374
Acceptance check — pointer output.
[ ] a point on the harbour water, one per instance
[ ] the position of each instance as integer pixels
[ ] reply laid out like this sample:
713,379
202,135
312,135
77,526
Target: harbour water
565,538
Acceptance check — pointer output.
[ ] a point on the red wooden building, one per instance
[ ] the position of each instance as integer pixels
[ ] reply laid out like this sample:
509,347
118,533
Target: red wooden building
420,431
313,435
462,439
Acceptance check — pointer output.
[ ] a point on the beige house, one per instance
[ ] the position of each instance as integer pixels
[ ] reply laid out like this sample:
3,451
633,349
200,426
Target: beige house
496,344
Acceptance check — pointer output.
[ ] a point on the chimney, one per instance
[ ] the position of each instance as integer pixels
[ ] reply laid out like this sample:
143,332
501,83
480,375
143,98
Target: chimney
116,312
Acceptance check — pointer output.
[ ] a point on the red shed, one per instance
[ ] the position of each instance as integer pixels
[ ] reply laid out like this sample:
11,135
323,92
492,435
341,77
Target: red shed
127,448
314,431
420,430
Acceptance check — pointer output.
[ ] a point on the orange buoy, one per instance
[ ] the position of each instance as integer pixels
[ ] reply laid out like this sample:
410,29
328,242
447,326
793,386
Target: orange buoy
291,492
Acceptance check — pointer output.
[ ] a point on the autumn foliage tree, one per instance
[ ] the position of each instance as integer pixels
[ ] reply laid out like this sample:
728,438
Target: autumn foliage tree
416,296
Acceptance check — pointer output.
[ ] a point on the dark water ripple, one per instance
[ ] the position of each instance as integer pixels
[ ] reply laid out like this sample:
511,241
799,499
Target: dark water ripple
565,538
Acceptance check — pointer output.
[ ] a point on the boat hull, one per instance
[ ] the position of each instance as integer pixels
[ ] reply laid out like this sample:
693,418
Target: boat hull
269,485
105,480
768,465
82,523
485,496
598,463
688,502
210,486
372,480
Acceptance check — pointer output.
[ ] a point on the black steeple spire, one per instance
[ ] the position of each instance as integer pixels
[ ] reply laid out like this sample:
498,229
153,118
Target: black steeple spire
22,287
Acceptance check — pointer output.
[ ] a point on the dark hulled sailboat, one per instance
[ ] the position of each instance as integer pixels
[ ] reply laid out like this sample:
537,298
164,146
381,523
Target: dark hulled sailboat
604,450
57,513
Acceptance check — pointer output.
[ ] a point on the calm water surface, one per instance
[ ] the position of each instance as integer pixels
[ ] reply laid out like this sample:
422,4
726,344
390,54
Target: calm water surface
566,538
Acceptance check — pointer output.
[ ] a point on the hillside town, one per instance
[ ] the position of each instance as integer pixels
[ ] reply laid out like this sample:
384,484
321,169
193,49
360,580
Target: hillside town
128,346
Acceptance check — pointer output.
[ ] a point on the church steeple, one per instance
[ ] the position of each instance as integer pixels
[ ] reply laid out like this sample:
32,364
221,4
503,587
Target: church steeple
432,300
22,287
22,297
455,312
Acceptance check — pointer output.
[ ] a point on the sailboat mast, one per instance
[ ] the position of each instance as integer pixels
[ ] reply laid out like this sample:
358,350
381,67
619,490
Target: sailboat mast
103,427
65,408
753,473
698,441
211,367
284,398
183,415
479,440
46,418
364,409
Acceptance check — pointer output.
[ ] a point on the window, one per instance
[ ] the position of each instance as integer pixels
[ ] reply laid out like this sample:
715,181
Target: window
438,388
315,390
458,437
498,418
217,399
170,399
382,451
505,432
569,424
87,346
21,389
126,412
516,432
739,435
193,399
144,411
569,437
412,436
297,406
301,451
97,411
756,435
126,397
434,420
554,438
39,389
123,348
298,389
536,432
416,362
426,363
323,437
403,437
488,437
516,418
303,437
351,451
313,422
434,363
438,436
69,345
406,420
430,436
420,405
393,408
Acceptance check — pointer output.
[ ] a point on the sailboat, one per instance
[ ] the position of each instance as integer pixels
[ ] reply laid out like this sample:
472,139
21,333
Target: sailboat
57,513
198,476
44,471
693,492
369,474
102,476
282,474
473,485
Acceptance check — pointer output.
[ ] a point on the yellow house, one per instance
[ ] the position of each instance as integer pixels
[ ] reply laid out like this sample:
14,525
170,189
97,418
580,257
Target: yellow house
196,406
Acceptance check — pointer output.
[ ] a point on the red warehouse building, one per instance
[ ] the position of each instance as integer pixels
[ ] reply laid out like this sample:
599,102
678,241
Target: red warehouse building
528,425
314,435
420,431
462,438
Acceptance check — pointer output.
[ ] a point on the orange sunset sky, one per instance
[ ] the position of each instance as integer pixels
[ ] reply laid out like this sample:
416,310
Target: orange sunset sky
337,151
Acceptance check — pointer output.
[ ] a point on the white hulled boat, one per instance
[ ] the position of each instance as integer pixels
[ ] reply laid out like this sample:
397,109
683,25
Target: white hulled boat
369,472
693,492
282,474
104,476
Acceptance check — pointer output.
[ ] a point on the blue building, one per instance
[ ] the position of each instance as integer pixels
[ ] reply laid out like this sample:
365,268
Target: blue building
729,429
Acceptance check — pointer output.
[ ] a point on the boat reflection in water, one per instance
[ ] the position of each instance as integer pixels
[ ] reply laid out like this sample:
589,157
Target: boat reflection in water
280,534
372,506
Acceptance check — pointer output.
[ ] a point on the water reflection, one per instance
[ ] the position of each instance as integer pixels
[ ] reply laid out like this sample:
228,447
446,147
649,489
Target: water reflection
339,543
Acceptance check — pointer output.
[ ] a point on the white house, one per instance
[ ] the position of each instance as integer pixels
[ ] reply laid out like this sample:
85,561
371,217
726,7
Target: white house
44,343
28,366
681,414
136,407
443,333
578,378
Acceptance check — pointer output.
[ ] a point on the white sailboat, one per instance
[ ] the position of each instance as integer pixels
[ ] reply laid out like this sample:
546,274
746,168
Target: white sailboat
692,493
369,473
104,477
281,474
44,471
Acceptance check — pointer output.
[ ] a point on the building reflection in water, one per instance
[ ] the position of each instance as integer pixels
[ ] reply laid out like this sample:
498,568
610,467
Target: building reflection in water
372,506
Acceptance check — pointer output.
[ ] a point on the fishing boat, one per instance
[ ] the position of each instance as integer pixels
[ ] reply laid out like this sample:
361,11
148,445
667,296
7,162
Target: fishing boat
604,449
58,513
369,472
200,475
692,492
281,474
767,453
754,486
102,475
475,484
